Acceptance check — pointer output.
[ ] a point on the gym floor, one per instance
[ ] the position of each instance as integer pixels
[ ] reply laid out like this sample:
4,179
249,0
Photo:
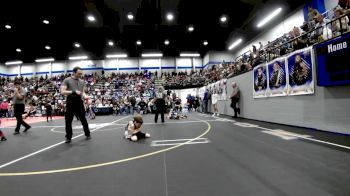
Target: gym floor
201,155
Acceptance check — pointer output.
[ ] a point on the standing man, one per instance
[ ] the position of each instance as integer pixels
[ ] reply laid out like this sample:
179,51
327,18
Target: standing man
234,99
73,88
160,104
19,100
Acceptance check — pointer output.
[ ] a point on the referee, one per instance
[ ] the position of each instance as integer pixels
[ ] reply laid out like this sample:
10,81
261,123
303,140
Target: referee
160,104
73,87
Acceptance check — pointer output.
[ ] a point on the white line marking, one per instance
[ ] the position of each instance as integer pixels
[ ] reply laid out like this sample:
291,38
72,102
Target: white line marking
178,141
49,147
174,144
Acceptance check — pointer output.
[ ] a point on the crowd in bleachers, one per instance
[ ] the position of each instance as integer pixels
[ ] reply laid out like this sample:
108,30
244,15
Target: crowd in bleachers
318,28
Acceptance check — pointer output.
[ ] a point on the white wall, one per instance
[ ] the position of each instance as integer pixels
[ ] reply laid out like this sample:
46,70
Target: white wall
183,94
43,68
13,69
131,65
328,109
282,28
28,70
330,4
197,63
168,65
206,59
3,69
89,66
58,67
183,64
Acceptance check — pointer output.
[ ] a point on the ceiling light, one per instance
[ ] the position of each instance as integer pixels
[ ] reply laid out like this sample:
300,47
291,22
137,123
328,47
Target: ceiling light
205,43
138,42
47,47
223,19
13,62
77,45
110,56
169,16
189,55
78,57
269,17
166,42
234,44
91,18
130,16
44,60
152,55
111,43
18,50
190,28
46,22
8,26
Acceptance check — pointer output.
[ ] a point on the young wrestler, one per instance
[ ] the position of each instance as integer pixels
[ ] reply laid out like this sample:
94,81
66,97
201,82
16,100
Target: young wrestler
134,129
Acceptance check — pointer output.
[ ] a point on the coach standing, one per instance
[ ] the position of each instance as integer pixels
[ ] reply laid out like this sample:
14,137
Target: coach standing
73,88
19,100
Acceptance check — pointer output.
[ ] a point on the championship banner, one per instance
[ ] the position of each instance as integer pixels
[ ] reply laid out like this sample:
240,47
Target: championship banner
277,78
260,81
300,71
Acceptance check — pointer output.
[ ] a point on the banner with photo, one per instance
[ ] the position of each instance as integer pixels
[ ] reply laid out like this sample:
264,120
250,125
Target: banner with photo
301,72
219,87
277,78
260,78
223,89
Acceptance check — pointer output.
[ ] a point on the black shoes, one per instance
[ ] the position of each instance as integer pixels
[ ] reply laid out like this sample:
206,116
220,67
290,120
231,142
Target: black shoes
3,139
25,130
68,141
88,137
16,133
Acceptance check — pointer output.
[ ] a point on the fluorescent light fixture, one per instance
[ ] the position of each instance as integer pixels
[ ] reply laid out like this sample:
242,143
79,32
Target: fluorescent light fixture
152,55
18,50
223,19
189,55
166,42
111,43
91,18
78,57
13,62
77,45
8,26
205,43
169,16
234,44
269,17
44,60
190,28
47,47
110,56
130,16
46,22
138,42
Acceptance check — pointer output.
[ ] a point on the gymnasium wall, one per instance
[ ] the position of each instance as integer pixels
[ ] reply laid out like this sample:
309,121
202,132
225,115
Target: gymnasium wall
328,109
123,65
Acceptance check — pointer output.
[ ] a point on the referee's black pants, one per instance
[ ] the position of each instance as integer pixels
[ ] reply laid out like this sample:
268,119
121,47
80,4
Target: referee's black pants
19,110
160,104
75,106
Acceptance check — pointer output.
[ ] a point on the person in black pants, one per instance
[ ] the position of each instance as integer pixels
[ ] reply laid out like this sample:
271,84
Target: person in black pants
73,88
160,104
234,99
19,101
48,111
